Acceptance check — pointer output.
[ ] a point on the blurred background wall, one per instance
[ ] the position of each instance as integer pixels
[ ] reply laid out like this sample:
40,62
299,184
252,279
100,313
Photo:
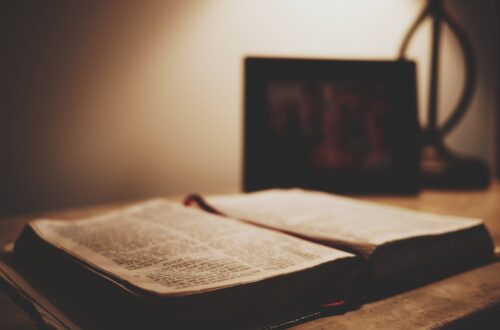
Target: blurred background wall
111,100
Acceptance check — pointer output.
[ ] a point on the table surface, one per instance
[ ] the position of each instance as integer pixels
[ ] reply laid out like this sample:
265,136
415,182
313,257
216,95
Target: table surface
430,306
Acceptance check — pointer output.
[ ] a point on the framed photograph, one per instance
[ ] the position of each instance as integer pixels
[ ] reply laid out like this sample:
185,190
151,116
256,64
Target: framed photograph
332,125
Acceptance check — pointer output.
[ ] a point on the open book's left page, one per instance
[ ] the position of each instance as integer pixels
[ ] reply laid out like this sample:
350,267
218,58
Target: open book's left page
167,249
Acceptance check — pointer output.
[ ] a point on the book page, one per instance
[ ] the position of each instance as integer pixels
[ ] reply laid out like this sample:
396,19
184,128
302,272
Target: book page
328,217
169,249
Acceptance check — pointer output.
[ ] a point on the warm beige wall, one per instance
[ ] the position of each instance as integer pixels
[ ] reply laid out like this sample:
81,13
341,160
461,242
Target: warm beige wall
115,100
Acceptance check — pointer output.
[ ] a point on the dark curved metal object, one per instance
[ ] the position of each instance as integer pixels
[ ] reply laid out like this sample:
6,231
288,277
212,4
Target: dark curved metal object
442,168
470,67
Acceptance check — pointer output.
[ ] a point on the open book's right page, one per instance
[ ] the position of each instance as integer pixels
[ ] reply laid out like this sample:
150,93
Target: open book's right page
404,247
327,217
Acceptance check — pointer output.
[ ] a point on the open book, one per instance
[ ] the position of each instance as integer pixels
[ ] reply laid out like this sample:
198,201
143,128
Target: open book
290,251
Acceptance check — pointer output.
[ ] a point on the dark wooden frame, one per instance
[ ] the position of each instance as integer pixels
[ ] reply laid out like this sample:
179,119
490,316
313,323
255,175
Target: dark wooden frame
403,178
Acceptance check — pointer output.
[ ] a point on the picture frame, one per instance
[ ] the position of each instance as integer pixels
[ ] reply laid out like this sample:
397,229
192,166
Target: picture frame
347,126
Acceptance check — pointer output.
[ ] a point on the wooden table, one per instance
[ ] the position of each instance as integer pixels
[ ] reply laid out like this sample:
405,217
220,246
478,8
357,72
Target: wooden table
468,296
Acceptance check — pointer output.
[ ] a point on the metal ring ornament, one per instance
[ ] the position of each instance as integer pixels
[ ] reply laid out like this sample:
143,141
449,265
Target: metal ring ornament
470,67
